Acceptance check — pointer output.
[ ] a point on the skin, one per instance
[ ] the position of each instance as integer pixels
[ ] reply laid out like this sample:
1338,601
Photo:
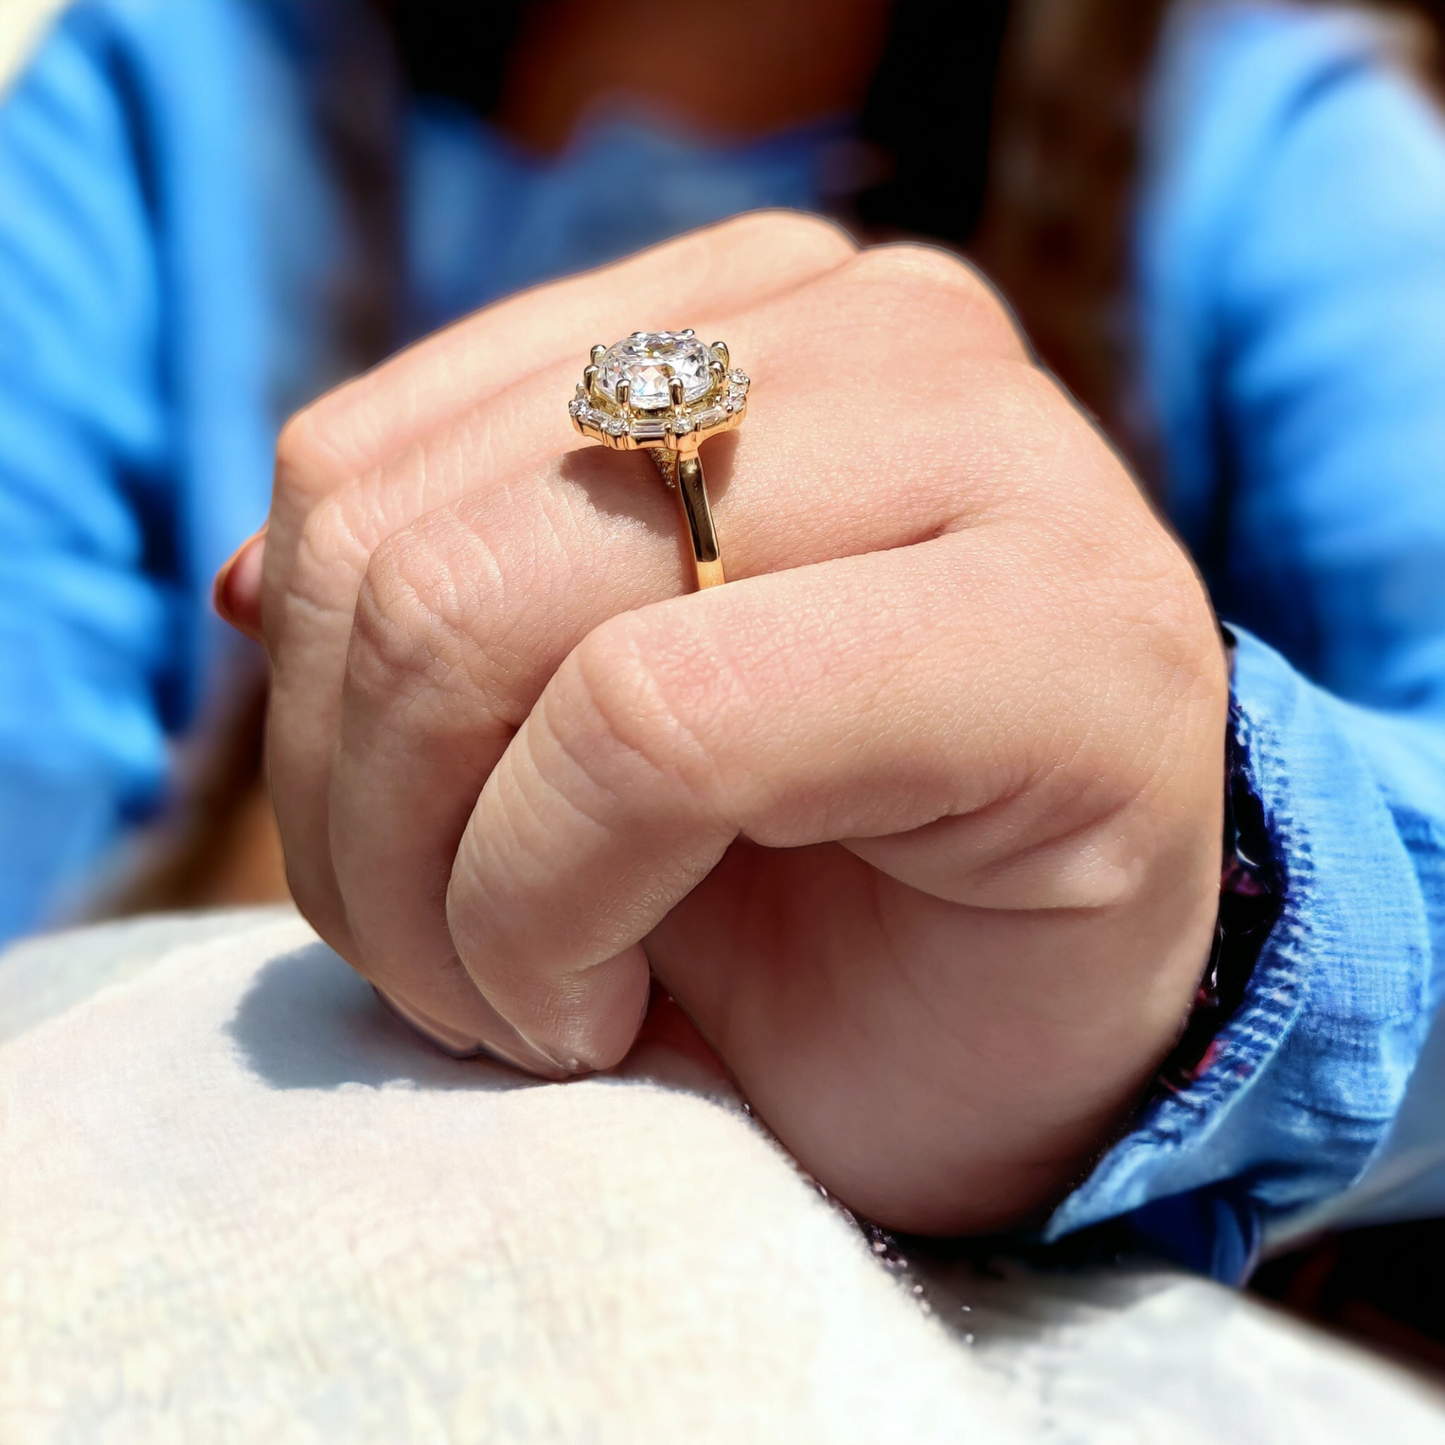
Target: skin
918,818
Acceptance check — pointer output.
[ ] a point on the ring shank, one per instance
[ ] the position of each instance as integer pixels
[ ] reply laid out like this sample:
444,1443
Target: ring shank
683,472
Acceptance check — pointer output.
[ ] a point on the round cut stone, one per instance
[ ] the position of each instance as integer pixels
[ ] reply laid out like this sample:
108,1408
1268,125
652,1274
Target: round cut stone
648,360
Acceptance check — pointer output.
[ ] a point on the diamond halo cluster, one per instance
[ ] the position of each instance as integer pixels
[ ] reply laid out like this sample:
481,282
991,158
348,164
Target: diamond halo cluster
659,389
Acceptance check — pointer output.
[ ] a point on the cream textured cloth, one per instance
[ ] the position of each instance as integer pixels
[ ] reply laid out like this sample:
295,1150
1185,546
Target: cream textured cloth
240,1202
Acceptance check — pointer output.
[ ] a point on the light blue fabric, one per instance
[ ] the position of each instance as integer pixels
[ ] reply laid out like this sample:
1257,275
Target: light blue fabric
1292,301
173,253
133,444
1293,309
571,213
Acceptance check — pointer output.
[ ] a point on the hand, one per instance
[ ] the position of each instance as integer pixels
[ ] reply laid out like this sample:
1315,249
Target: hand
918,818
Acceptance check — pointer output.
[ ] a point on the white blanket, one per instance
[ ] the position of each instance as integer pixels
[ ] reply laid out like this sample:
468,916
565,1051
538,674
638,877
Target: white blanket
240,1202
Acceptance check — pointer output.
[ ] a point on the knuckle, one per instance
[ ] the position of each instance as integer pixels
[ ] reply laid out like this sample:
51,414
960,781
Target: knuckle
763,248
793,231
308,456
331,555
432,636
626,703
403,631
614,681
1174,606
315,552
935,278
908,263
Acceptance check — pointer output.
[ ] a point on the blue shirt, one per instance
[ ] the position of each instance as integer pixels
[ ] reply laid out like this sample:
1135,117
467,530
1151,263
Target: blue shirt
173,247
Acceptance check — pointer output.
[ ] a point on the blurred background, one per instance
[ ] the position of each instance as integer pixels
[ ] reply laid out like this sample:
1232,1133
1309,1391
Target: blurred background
1220,223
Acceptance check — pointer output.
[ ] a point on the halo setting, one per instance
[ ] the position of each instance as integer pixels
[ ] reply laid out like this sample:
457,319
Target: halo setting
657,388
667,392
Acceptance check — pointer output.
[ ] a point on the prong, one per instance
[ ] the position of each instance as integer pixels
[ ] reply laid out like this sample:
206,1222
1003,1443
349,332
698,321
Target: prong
598,352
624,394
677,391
589,377
689,332
718,373
720,350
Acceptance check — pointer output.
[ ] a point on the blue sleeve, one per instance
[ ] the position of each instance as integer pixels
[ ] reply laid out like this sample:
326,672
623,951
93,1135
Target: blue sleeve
1292,298
1330,385
1294,264
85,627
1305,1081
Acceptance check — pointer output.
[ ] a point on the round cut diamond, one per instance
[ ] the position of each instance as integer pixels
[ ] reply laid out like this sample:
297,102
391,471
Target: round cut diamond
648,360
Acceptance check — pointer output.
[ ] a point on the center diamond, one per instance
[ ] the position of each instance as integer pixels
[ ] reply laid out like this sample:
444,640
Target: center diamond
648,360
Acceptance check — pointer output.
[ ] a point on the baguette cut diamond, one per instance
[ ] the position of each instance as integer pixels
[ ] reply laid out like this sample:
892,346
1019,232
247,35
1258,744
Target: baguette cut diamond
648,360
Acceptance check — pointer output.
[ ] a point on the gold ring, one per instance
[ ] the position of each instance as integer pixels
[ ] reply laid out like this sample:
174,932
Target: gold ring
666,392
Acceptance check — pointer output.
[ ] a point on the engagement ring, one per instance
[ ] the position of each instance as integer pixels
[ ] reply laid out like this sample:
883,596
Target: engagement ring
666,392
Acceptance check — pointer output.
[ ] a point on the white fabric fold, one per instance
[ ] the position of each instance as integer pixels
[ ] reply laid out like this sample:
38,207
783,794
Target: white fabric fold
239,1201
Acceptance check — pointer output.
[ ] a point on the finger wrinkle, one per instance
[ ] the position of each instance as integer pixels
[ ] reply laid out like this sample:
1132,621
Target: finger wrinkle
329,543
662,693
434,624
391,664
585,722
510,854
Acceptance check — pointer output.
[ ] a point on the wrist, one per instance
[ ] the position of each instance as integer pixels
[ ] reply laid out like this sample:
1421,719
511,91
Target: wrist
1251,895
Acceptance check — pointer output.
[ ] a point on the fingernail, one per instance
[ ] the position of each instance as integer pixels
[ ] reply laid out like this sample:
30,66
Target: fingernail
466,1046
237,594
566,1065
448,1040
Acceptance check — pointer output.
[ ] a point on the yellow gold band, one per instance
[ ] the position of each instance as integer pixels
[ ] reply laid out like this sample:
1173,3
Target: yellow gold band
665,392
682,471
